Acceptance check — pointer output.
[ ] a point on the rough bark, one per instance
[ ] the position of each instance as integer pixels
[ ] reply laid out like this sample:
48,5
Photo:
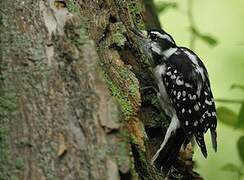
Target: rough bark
71,105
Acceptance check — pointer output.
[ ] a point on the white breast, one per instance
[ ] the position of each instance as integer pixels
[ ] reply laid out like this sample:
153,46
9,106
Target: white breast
159,72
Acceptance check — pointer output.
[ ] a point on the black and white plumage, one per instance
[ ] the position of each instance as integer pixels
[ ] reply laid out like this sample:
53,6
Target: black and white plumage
185,96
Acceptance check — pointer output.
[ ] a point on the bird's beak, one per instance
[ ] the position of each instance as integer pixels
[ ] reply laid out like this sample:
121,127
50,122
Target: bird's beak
141,34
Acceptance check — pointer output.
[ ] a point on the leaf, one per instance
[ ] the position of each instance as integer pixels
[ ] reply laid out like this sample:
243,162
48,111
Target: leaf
204,37
209,39
195,31
240,145
162,6
227,116
237,86
240,118
230,167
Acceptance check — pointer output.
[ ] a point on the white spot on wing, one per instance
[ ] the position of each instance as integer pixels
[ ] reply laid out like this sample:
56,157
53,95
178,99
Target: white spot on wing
196,107
190,96
168,73
178,95
178,81
173,76
188,85
208,102
184,93
195,123
209,114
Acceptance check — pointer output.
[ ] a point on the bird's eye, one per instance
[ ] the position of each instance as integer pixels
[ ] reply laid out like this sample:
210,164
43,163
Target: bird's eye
153,36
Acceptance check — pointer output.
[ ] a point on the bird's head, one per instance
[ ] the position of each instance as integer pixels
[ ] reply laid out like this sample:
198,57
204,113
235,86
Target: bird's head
156,40
160,41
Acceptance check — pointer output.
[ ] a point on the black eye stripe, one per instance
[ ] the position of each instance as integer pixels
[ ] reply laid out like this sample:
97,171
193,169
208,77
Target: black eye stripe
153,36
162,36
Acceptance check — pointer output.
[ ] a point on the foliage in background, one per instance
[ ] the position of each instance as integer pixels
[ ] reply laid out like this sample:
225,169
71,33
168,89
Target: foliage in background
163,6
195,32
229,117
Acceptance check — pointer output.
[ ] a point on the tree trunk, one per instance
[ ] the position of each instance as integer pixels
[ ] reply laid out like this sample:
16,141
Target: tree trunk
70,99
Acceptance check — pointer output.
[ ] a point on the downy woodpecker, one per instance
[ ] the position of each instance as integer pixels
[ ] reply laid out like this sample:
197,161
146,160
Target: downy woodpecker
185,95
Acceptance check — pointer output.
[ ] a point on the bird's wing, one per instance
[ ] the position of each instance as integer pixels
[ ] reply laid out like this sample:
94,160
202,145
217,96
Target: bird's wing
189,91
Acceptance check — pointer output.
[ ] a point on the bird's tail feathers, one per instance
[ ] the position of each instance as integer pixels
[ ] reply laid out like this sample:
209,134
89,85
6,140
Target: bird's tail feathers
214,139
201,143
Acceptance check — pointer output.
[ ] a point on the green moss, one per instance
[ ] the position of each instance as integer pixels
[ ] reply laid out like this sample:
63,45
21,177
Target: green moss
24,143
135,10
19,163
82,37
141,165
47,170
123,155
119,39
7,105
14,177
123,101
134,174
72,6
75,31
122,98
47,152
116,38
133,89
125,73
4,163
141,161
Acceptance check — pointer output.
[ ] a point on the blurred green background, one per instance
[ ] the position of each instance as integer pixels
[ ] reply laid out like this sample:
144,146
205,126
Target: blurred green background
219,42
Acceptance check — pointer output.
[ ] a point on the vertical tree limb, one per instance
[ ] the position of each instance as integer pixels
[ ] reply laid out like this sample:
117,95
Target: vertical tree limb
71,73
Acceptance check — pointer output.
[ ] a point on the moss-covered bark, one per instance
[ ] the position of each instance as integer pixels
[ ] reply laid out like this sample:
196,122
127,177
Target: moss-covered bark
71,105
